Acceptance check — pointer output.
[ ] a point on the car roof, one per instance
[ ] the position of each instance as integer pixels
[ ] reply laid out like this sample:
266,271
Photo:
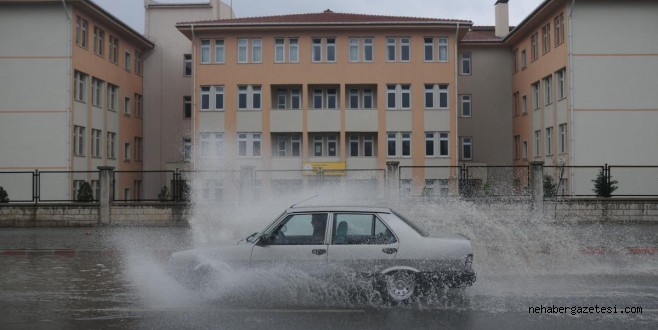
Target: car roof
350,208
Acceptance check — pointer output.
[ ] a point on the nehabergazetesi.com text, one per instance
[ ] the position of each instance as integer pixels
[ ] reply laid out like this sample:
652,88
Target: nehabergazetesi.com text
575,310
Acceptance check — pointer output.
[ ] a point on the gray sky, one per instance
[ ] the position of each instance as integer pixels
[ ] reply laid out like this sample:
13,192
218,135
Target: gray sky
481,12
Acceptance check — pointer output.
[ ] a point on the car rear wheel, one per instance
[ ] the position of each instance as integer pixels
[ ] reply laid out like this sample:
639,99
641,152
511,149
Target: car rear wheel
400,286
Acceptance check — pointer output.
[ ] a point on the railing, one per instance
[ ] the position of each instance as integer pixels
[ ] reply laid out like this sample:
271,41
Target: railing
51,186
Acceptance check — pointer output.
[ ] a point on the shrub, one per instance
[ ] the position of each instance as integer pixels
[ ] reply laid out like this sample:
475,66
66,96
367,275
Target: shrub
550,188
603,188
163,196
4,197
85,194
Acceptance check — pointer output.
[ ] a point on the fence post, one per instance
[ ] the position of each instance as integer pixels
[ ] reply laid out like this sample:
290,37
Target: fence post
393,178
537,185
106,175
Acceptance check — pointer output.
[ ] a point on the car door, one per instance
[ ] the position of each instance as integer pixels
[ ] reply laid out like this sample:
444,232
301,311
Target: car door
299,242
361,243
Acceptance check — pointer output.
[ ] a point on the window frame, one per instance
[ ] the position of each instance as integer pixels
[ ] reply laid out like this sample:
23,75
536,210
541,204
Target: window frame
466,142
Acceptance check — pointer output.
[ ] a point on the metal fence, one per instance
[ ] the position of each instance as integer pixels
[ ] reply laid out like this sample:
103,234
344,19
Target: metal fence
571,181
131,186
633,180
289,181
468,181
51,186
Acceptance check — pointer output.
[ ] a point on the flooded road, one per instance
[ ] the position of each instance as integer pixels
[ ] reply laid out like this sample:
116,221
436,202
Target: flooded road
92,278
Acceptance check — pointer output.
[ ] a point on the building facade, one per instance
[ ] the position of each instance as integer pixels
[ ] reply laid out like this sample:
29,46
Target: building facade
71,93
328,90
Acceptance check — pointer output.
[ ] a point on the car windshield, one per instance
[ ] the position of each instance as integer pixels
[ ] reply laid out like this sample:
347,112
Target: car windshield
252,238
410,223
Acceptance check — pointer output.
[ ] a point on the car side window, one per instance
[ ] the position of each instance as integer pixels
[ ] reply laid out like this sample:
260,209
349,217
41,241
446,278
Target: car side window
360,228
300,229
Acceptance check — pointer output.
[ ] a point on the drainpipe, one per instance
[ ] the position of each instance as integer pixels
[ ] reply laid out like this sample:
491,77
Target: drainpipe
194,69
571,94
456,97
68,84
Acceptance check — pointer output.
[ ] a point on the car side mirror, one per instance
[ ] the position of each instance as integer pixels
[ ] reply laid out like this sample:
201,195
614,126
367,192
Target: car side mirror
264,240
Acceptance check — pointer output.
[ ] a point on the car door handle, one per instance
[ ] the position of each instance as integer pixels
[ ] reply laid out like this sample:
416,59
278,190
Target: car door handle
389,250
319,251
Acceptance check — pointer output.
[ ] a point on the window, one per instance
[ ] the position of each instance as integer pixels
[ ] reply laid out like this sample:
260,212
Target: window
436,144
535,96
549,141
288,98
368,49
561,87
405,49
112,97
249,144
524,104
515,54
324,98
81,30
325,145
256,50
525,149
96,143
398,97
360,98
436,96
126,151
330,49
537,143
293,50
368,146
249,97
126,194
546,38
523,59
187,106
390,49
548,82
99,41
126,106
187,149
139,110
465,63
127,61
301,229
114,49
80,86
286,145
137,189
187,64
467,148
205,51
139,68
559,29
211,145
242,50
563,138
79,141
211,104
517,146
429,49
442,46
354,145
358,229
398,144
97,92
534,47
279,50
354,50
515,104
138,149
111,145
220,51
443,49
466,105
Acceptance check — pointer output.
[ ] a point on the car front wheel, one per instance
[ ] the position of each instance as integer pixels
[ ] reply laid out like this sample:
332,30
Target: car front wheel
400,286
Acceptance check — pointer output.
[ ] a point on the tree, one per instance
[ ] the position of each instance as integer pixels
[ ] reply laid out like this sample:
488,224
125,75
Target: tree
4,197
550,188
604,186
163,196
85,194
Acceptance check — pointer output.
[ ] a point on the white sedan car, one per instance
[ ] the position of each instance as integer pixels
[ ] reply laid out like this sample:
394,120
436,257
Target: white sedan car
371,241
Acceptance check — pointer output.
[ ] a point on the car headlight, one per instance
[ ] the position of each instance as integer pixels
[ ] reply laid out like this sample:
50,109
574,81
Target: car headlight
469,260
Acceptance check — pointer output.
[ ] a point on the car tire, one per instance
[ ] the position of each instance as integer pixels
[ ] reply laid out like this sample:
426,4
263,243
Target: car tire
400,286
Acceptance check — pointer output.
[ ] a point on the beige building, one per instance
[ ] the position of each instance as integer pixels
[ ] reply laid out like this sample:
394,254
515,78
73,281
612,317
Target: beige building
168,77
327,90
71,92
584,91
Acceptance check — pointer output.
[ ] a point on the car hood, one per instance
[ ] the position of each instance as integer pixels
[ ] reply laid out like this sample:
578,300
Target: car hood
240,252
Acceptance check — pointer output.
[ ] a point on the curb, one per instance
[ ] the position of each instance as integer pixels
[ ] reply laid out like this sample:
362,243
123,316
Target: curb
635,250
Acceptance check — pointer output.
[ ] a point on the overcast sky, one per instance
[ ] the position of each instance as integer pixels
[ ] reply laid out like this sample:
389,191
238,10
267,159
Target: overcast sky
481,12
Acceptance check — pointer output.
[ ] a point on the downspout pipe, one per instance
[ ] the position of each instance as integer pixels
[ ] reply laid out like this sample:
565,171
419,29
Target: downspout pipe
69,55
194,101
571,92
456,93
